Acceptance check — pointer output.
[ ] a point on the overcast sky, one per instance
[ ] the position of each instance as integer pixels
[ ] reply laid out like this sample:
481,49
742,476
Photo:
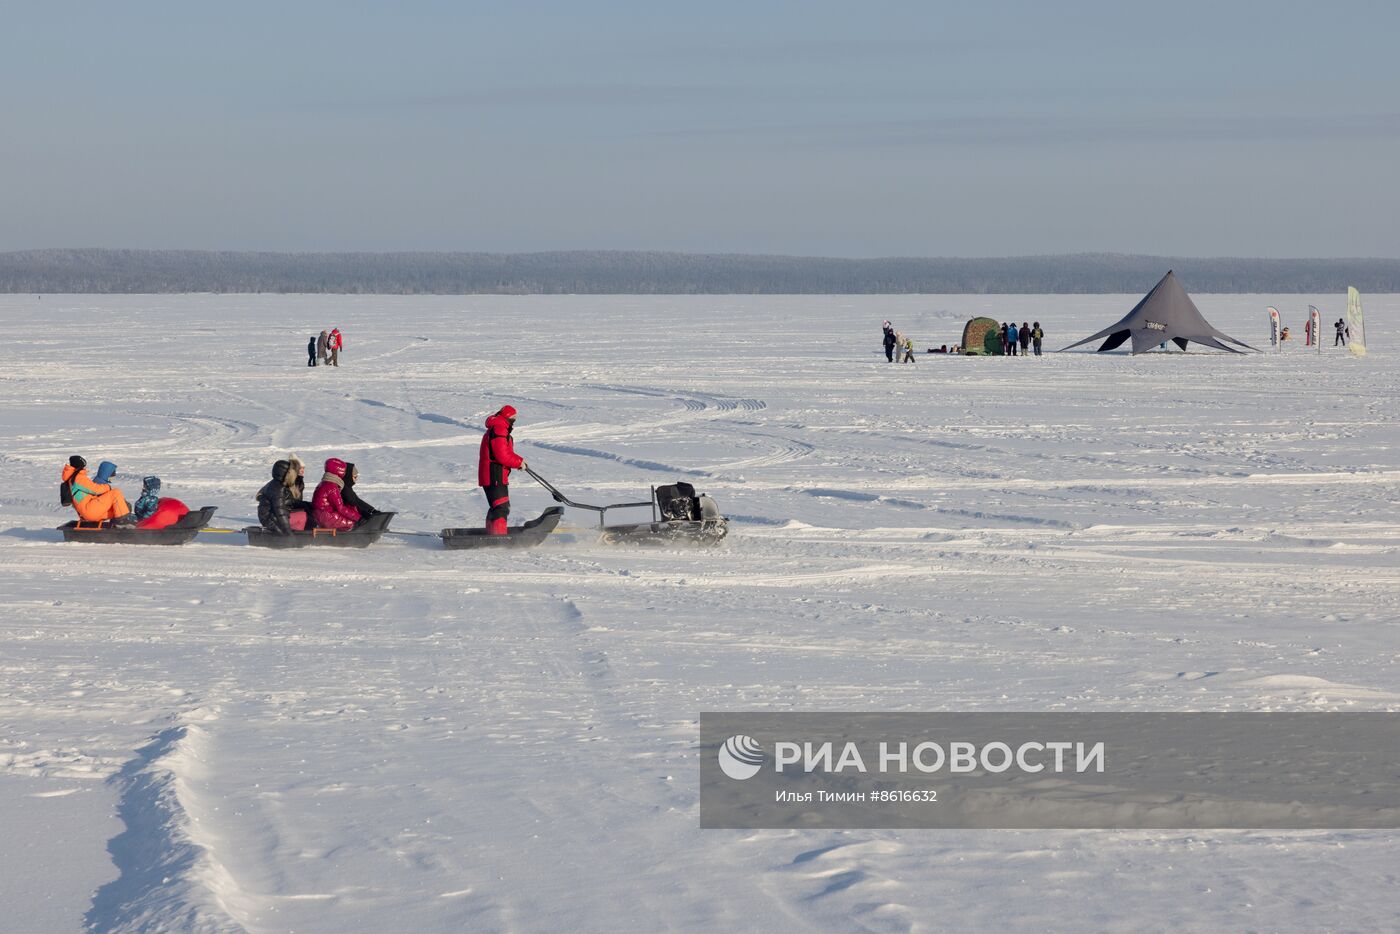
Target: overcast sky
848,129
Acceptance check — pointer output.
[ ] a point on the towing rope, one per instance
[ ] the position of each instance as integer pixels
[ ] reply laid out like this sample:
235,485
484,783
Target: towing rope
405,534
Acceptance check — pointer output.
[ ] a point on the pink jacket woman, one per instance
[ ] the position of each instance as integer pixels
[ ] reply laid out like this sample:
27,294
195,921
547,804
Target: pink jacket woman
328,510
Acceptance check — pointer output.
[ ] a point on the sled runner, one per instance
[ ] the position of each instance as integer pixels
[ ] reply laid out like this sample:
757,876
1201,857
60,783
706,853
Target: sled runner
179,533
678,515
361,536
521,536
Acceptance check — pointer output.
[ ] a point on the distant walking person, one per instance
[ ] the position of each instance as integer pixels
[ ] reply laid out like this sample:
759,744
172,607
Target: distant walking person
1342,332
1037,335
908,350
336,343
1012,337
1025,334
311,351
322,348
889,342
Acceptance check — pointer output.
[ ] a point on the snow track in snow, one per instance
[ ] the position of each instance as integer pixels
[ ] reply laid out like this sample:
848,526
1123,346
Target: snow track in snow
170,876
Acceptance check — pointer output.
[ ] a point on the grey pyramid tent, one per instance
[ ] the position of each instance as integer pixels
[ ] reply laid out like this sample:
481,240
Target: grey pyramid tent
1164,314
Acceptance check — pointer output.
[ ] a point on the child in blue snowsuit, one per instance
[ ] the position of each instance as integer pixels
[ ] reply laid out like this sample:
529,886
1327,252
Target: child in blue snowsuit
149,499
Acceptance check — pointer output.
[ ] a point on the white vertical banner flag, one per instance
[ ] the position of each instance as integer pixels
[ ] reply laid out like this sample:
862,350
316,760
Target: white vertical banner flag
1315,327
1356,322
1274,327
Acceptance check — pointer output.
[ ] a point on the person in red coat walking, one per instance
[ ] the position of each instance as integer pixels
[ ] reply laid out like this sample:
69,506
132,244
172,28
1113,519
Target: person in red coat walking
335,344
498,459
328,509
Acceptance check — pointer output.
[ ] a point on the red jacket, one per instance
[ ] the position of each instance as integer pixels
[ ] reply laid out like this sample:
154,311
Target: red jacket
336,340
328,510
498,457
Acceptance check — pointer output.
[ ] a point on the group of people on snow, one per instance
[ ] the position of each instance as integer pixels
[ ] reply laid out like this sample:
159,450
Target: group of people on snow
1023,338
325,348
97,501
283,507
335,504
1013,338
282,504
897,346
1026,338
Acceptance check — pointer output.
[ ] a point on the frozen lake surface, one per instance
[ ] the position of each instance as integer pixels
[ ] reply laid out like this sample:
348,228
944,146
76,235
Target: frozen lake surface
403,738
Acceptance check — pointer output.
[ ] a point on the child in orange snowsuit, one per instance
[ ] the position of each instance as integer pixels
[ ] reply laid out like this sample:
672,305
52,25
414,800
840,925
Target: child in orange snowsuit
95,499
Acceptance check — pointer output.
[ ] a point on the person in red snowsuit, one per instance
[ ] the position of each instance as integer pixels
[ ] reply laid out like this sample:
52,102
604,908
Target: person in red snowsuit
498,459
328,510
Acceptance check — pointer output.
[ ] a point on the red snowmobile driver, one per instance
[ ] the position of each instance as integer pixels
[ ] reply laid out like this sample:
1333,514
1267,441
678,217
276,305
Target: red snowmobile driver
498,459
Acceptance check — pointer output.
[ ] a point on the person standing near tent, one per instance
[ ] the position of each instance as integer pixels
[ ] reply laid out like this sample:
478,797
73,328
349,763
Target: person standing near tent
1003,339
1025,334
1012,337
889,342
497,460
1037,335
336,342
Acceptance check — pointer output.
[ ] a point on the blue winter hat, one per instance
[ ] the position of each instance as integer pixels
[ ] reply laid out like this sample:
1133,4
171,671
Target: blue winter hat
105,471
151,484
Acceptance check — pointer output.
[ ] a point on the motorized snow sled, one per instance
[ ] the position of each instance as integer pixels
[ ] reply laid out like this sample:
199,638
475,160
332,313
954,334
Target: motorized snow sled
179,533
361,536
678,515
521,536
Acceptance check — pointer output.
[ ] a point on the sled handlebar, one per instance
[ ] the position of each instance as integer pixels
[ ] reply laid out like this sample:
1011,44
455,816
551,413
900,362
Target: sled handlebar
600,510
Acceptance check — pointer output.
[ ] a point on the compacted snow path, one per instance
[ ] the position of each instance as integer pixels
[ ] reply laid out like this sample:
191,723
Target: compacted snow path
218,737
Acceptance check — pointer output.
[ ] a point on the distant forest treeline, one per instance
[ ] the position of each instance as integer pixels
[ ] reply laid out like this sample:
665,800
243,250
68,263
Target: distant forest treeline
613,272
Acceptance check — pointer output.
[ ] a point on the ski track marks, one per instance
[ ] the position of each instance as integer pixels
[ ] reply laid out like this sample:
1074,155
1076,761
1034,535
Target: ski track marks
629,461
170,876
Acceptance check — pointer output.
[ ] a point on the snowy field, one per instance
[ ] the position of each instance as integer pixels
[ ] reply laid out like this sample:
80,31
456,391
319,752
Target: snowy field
218,737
